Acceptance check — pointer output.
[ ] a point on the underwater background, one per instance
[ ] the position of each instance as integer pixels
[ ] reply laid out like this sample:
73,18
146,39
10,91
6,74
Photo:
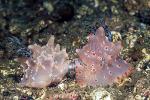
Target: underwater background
28,22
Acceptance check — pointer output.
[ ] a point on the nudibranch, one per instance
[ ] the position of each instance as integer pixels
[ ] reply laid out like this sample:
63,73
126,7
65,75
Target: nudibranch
99,62
48,65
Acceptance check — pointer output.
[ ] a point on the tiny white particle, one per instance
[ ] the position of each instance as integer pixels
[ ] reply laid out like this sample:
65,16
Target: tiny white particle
104,77
33,78
49,75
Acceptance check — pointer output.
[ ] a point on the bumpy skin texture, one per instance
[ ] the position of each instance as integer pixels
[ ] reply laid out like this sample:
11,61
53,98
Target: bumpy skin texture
48,65
99,63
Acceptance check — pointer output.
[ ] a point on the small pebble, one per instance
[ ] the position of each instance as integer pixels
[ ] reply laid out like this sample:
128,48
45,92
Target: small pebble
62,86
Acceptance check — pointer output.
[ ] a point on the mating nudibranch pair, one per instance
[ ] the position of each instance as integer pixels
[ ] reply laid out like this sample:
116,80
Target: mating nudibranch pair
98,63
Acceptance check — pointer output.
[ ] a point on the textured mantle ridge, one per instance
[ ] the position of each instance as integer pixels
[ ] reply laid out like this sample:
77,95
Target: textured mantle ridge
99,63
48,65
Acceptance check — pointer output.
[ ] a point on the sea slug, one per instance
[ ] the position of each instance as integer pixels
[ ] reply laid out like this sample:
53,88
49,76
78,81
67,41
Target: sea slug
99,62
47,65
